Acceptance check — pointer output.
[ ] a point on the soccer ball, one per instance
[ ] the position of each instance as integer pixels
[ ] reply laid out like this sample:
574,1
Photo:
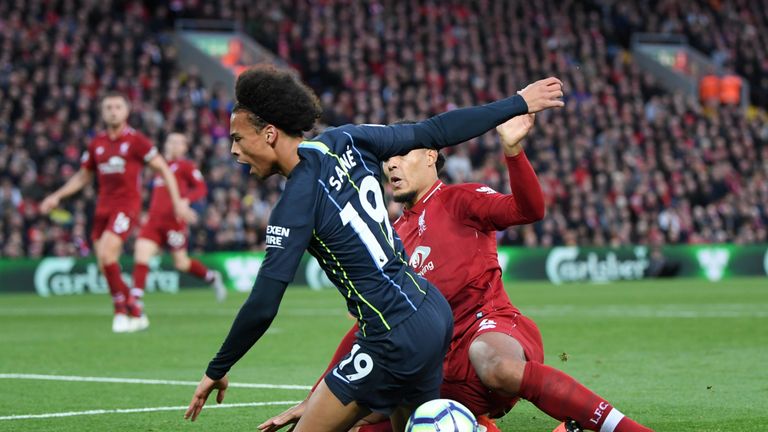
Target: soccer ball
442,415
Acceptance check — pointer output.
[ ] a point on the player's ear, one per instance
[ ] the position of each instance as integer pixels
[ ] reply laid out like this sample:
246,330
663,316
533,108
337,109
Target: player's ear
431,157
270,135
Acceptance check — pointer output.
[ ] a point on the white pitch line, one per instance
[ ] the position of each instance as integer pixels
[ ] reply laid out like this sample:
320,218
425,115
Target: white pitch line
138,410
143,381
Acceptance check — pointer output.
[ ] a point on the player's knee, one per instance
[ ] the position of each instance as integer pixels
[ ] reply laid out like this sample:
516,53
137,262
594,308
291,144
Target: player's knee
181,265
107,254
142,252
502,374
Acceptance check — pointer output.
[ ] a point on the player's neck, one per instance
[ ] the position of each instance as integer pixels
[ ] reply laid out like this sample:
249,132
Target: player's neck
420,194
115,131
287,154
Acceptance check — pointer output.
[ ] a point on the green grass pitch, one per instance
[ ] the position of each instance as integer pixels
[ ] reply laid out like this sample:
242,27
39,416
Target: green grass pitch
676,355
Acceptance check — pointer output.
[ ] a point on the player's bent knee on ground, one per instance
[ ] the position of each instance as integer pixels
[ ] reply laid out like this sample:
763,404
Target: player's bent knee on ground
501,370
505,376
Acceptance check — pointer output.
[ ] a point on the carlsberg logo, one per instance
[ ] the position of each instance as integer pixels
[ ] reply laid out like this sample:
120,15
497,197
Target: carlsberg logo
242,271
713,261
59,276
565,265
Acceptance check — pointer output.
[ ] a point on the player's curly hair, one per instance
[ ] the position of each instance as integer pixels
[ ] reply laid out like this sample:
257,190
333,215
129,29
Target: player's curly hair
275,96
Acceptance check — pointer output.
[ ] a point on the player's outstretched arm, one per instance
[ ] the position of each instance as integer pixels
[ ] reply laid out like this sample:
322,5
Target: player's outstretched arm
251,323
180,207
457,126
489,210
78,181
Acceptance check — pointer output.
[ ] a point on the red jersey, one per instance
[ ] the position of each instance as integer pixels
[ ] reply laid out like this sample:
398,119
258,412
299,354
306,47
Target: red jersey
191,187
450,235
118,163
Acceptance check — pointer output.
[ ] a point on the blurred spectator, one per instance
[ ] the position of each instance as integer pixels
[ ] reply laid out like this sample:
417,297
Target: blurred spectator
623,163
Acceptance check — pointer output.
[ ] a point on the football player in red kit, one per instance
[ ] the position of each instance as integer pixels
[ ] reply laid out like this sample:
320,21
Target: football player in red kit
162,229
496,354
117,156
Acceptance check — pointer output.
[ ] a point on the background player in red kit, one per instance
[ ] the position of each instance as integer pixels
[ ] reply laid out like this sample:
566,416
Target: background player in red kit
117,155
161,227
496,354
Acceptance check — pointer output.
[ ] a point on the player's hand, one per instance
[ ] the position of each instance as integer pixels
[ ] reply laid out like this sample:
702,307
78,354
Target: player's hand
543,94
184,212
289,416
201,395
513,131
49,203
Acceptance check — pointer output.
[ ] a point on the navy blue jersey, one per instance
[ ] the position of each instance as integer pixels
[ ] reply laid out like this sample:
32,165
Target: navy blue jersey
333,206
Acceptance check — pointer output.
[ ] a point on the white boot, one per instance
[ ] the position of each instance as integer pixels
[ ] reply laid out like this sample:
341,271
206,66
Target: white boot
121,324
139,323
218,286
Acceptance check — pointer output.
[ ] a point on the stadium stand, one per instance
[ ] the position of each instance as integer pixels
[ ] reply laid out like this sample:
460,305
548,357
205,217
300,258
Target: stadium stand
623,163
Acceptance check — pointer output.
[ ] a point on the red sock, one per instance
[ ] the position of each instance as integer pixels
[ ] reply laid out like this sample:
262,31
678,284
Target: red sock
118,288
140,271
198,269
345,346
384,426
562,397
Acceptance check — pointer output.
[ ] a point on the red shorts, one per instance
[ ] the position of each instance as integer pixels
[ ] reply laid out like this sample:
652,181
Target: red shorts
120,222
462,383
171,234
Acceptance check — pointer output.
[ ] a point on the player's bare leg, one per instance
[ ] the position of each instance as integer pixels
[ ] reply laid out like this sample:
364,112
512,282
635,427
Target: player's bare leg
326,413
500,363
184,263
143,251
108,250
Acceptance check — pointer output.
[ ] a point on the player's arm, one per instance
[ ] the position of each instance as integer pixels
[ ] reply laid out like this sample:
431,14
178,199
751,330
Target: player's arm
82,177
197,186
490,210
454,127
292,221
180,208
253,320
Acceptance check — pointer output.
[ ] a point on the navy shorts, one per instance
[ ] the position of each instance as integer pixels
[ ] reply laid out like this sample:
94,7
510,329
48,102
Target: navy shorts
401,367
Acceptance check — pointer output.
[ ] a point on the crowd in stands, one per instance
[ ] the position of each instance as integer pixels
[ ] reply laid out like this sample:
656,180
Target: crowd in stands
624,163
734,34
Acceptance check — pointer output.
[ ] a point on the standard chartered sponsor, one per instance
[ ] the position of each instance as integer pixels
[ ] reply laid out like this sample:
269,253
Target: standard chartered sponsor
564,264
60,276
